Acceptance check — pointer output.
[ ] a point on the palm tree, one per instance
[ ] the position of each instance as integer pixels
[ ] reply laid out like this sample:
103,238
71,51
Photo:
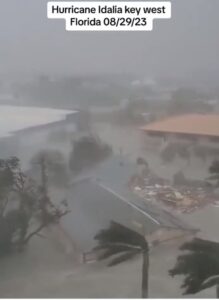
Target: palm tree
200,266
121,244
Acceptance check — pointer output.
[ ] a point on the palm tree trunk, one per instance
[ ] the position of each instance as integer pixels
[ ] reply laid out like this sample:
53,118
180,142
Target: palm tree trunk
145,267
217,291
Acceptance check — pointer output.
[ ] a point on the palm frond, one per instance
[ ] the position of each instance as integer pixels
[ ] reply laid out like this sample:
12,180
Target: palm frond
117,233
200,263
119,247
110,251
197,245
122,258
211,281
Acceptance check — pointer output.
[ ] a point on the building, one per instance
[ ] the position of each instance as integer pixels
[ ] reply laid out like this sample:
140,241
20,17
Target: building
24,129
196,129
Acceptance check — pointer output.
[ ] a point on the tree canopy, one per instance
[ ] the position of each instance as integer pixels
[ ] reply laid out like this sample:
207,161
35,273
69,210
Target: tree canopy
25,209
88,151
54,163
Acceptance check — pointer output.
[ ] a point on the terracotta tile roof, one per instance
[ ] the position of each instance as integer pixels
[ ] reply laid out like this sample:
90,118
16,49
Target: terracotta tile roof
197,124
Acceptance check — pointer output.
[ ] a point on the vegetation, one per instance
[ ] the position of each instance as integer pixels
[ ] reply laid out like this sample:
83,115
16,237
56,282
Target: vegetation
141,161
168,154
201,152
88,151
84,122
204,152
214,171
183,152
129,115
75,90
119,244
200,266
187,100
54,163
25,207
61,135
179,178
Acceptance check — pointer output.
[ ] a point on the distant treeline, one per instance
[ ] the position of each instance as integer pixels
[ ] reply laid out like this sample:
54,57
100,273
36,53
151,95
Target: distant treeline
74,91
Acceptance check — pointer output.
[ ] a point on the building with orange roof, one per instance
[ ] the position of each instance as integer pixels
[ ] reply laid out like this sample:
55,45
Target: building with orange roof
195,128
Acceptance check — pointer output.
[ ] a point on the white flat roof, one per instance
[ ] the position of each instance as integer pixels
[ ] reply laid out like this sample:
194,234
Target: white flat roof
14,118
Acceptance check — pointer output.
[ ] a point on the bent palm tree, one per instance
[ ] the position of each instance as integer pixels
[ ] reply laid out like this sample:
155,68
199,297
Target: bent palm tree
120,244
200,266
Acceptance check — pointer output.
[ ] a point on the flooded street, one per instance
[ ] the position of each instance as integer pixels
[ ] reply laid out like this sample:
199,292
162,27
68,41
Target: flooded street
45,270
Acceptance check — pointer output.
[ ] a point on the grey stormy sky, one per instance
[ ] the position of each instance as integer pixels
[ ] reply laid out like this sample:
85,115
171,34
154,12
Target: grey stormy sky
186,43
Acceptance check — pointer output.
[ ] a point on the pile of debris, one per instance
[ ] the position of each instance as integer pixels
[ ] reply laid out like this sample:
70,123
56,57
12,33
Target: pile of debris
149,179
182,199
181,194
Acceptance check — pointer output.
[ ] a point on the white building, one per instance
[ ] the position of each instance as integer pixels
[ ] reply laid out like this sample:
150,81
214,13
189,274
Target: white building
24,130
